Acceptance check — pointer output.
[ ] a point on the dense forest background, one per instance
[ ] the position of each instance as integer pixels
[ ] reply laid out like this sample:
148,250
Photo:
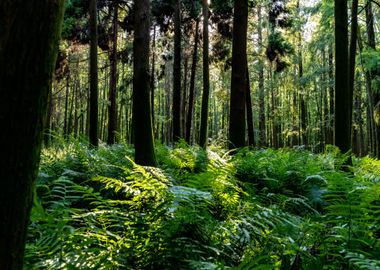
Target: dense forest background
190,134
290,82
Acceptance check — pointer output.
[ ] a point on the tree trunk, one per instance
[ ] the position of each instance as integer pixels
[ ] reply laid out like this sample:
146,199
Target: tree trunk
352,56
248,102
112,107
325,104
142,121
262,122
176,115
152,74
238,75
184,95
93,74
371,75
370,120
26,67
343,98
303,105
190,111
331,98
206,79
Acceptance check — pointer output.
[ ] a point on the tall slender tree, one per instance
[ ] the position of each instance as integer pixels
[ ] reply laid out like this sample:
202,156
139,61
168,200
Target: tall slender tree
343,102
93,74
190,112
352,52
262,122
374,96
206,77
112,107
331,96
142,118
26,68
238,75
176,110
152,74
248,103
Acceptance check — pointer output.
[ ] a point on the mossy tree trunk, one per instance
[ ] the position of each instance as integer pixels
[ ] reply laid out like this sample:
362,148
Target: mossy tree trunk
142,117
29,36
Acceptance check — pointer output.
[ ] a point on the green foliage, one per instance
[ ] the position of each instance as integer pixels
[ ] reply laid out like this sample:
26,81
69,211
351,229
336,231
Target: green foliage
75,18
371,59
263,209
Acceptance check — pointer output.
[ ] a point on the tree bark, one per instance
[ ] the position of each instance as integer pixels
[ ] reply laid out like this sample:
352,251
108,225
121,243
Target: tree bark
331,98
93,74
248,102
152,74
190,111
352,55
112,107
238,75
206,78
262,121
29,38
343,102
176,110
142,121
303,105
375,95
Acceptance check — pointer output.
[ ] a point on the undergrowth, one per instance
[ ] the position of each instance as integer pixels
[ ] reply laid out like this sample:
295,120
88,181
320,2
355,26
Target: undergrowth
262,209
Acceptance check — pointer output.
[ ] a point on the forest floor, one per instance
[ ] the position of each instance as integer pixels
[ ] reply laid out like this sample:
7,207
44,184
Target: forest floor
259,209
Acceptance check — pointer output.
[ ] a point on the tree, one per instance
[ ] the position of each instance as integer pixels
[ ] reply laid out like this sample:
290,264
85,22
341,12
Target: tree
112,107
190,112
238,75
93,74
373,95
206,78
248,103
142,118
176,110
343,97
29,38
262,122
352,52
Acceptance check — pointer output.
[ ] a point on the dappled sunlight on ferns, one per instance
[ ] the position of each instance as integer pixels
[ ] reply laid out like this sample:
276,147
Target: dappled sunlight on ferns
263,209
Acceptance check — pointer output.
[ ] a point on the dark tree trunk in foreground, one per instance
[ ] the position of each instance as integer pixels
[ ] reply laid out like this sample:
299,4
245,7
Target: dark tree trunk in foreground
177,74
142,121
248,102
190,111
112,107
206,79
93,74
238,75
29,38
343,102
